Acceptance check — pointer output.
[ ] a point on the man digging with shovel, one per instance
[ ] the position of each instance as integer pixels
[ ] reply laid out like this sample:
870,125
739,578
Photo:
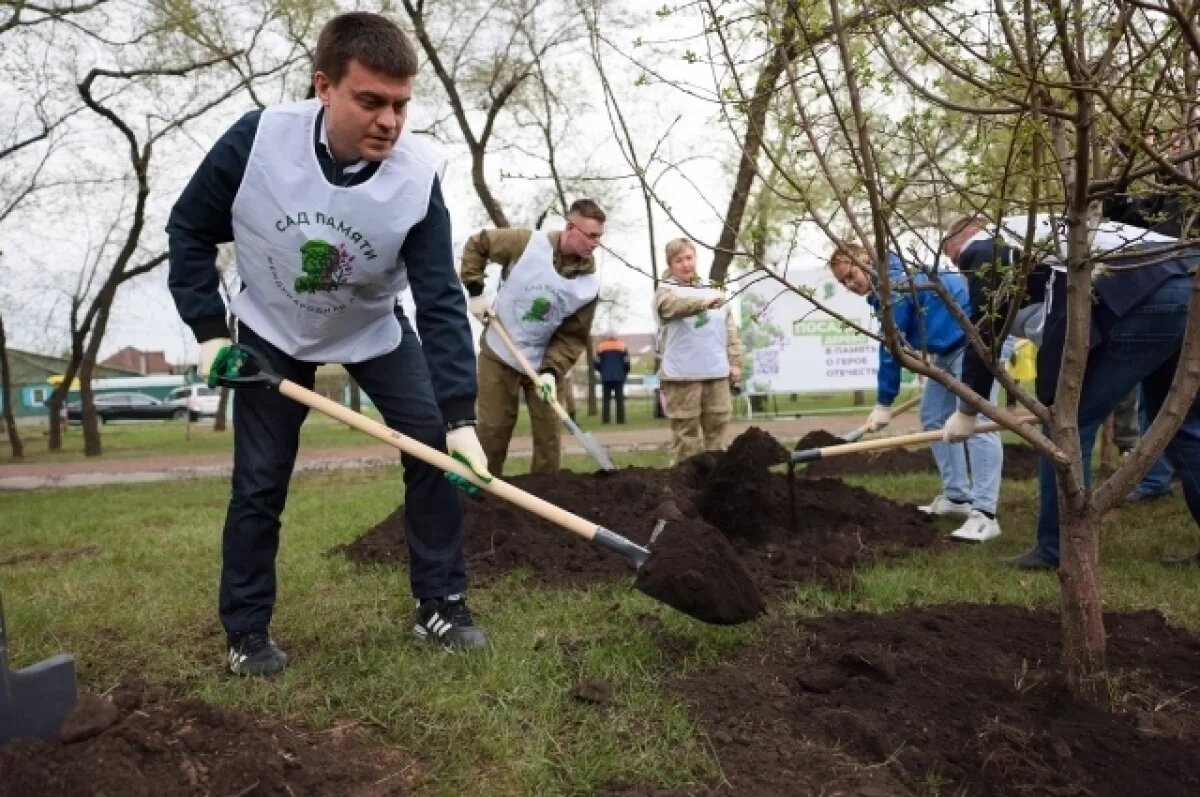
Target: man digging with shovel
327,205
546,302
927,325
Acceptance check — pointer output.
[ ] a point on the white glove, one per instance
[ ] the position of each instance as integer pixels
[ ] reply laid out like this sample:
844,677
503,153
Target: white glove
208,352
480,307
463,444
547,385
959,427
880,417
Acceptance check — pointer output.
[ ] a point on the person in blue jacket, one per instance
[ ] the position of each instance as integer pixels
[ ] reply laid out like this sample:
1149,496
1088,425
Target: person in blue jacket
333,208
971,472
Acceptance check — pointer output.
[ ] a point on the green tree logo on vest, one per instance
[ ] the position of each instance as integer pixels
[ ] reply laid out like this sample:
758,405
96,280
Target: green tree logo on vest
701,319
538,310
325,266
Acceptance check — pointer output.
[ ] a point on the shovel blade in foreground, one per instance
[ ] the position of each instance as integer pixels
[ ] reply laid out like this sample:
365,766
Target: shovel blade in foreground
35,701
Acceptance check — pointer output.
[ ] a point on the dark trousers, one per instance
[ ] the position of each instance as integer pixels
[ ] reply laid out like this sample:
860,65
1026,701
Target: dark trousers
613,391
1141,348
266,437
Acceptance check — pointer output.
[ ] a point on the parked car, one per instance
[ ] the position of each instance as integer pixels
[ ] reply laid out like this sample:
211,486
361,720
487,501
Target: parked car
127,407
199,400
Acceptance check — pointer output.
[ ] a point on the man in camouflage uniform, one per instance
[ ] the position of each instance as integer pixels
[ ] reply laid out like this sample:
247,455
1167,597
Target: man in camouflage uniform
546,301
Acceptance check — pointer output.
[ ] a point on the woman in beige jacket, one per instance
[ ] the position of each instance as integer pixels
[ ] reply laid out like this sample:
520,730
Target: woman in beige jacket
701,355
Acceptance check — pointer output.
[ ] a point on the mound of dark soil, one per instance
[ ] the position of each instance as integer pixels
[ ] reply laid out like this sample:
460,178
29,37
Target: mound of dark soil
1020,460
693,569
836,527
965,699
138,741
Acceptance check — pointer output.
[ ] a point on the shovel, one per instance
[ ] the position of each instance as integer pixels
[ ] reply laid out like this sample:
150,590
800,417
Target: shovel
239,367
589,443
34,701
882,443
856,434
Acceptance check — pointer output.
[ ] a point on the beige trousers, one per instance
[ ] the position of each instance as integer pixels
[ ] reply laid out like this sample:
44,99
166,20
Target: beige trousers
699,412
496,408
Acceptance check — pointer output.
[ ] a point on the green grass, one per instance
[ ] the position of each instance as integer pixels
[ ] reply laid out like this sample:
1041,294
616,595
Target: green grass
125,578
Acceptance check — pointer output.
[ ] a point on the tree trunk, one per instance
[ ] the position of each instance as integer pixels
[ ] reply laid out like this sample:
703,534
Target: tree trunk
91,425
1082,609
355,396
10,419
54,410
590,354
752,141
220,423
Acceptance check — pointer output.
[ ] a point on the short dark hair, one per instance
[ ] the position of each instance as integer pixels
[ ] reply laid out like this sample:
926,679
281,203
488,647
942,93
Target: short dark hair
371,39
588,209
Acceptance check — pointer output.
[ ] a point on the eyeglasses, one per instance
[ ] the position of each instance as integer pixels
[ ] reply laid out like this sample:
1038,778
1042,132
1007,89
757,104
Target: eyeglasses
594,237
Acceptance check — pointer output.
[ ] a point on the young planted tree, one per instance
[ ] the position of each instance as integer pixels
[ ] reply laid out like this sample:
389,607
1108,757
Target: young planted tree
1037,93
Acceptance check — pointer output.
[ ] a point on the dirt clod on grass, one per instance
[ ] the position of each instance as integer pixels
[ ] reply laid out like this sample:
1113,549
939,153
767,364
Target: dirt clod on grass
693,569
823,534
959,699
138,741
1020,460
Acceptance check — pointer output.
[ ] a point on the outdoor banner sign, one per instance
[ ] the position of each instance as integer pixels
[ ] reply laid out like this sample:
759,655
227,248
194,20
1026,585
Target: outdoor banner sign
792,347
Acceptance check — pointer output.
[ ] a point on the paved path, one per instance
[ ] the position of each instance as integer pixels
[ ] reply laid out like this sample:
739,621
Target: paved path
370,455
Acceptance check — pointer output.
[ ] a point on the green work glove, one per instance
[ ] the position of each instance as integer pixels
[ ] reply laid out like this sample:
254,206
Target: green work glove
227,362
547,386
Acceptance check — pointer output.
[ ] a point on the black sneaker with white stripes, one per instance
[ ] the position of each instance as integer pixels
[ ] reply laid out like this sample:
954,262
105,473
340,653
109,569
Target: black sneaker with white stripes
255,654
447,621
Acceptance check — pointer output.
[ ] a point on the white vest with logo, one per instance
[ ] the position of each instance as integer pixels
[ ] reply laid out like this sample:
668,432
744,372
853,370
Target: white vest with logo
320,264
534,300
694,347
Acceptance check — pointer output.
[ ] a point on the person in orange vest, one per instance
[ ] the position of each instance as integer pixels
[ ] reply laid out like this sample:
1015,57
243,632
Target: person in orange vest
612,363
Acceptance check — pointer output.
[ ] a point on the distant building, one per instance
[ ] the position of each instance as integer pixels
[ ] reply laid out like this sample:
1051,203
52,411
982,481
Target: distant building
146,363
31,374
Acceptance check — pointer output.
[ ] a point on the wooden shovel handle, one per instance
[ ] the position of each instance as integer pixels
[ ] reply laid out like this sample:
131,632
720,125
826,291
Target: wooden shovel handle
524,361
883,443
544,509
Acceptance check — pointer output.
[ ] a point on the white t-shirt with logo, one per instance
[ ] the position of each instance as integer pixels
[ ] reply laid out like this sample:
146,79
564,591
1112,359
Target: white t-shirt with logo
320,264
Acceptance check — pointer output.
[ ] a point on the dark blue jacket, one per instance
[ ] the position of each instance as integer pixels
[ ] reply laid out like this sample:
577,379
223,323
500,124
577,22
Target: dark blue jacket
1116,293
986,264
612,361
202,218
922,320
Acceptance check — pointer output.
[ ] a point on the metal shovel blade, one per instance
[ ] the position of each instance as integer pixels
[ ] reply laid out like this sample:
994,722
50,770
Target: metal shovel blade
34,701
590,445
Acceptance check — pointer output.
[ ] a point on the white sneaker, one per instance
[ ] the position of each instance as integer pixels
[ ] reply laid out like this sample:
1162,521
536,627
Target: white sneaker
978,528
944,507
